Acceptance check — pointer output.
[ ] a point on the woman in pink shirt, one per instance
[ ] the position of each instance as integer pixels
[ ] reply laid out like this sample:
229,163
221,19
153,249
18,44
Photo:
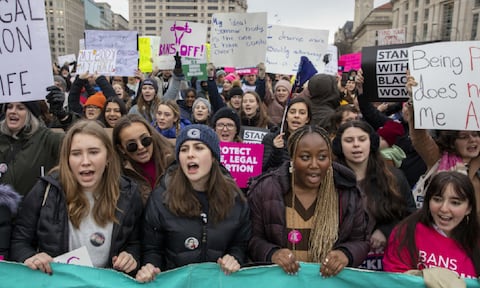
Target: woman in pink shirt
444,233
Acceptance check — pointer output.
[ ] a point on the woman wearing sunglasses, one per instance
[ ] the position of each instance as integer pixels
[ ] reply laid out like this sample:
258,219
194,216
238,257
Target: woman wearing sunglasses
145,153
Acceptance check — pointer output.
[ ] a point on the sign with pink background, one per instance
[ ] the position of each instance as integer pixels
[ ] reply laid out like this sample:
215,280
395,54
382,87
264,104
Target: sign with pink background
243,160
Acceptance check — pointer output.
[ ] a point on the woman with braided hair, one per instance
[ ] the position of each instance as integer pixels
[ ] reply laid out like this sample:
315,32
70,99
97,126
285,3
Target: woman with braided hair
309,209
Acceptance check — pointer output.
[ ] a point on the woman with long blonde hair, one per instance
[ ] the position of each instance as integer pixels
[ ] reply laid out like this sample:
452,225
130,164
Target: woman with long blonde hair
83,202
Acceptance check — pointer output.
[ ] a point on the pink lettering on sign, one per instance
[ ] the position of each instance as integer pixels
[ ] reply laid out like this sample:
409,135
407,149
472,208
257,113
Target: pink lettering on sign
242,160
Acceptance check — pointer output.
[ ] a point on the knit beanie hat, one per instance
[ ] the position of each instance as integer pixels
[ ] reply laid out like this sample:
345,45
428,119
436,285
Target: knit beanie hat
231,77
390,131
61,80
220,73
97,99
202,133
151,82
34,108
235,91
227,112
204,101
283,83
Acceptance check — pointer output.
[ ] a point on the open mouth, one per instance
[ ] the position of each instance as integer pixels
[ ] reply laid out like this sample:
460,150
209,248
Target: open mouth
192,167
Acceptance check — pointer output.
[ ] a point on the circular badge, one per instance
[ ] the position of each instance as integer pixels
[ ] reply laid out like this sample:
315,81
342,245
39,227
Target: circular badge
97,239
294,236
191,243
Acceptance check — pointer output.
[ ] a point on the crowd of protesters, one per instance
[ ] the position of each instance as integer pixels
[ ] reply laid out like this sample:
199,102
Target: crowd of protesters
151,193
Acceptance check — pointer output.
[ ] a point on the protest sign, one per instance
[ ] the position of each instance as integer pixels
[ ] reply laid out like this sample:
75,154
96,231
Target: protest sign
384,69
126,43
391,36
78,256
186,38
351,61
207,275
252,134
330,61
238,39
66,59
26,64
164,62
100,61
144,54
194,68
285,46
448,92
242,160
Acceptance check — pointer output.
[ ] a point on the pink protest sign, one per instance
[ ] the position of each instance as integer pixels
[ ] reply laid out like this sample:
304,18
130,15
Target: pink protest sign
243,160
187,38
351,61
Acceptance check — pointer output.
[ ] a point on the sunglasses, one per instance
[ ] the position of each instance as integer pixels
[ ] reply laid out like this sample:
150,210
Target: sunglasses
133,146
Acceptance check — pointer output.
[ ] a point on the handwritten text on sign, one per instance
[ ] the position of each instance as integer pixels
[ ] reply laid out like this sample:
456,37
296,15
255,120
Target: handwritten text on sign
238,39
125,42
243,160
186,38
285,46
24,51
100,61
391,36
448,92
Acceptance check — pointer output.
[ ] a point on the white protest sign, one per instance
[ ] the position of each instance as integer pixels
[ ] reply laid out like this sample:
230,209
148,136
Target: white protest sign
101,61
26,64
62,60
165,62
78,256
251,134
126,44
447,96
330,60
285,46
391,36
238,39
186,38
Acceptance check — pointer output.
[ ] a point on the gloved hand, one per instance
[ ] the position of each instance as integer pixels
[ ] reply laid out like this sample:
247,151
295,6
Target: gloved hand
178,65
56,98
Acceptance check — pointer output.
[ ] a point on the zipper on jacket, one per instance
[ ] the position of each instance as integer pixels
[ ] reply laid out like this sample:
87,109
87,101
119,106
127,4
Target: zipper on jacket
204,218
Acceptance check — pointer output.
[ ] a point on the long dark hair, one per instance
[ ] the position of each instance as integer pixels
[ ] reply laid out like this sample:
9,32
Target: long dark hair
295,100
387,203
221,192
121,104
466,233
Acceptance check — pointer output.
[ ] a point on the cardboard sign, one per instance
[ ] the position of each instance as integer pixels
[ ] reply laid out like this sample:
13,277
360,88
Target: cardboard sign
330,60
351,61
164,62
26,64
78,256
102,61
186,38
448,92
126,43
64,59
238,39
243,160
285,46
145,54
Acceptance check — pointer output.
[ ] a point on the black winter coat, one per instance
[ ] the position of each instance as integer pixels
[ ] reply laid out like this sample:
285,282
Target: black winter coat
166,236
267,206
45,228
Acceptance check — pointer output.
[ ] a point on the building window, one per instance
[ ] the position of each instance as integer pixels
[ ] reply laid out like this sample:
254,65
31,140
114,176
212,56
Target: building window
425,31
405,19
447,21
150,21
150,28
415,17
150,14
477,3
426,12
473,34
416,3
150,7
414,34
427,2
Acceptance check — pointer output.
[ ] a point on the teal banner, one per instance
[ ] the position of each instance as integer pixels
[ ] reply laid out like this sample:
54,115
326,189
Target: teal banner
206,275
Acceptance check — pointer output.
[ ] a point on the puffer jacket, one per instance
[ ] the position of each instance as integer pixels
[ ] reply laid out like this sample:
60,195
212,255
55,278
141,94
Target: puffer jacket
44,228
267,206
9,200
167,237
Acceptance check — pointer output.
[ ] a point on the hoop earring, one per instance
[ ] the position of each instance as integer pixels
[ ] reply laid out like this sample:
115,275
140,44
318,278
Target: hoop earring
291,169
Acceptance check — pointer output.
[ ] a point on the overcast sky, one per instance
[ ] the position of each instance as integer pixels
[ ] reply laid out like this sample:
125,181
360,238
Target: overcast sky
315,14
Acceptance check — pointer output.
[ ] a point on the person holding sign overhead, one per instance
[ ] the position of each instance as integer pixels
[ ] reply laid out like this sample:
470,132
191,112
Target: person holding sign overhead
453,149
83,202
309,209
198,213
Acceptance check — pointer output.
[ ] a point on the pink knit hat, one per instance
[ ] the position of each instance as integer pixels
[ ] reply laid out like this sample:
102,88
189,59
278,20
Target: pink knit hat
231,77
